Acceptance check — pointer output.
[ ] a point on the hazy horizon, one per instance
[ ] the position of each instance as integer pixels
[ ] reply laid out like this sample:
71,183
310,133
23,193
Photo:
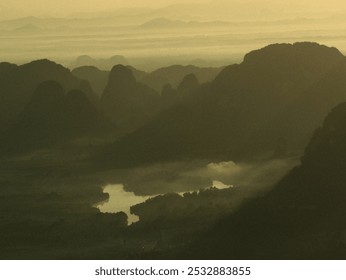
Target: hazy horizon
244,9
153,34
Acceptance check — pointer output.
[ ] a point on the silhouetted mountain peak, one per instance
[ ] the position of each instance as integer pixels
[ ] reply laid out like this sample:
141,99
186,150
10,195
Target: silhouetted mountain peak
102,63
189,83
51,117
329,142
162,23
292,55
43,63
85,68
121,74
282,71
270,95
27,28
97,78
336,119
5,67
84,60
127,102
46,67
174,69
116,58
44,109
18,84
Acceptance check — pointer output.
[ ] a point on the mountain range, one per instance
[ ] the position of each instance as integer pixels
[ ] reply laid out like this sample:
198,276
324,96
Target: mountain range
156,79
270,102
53,117
281,102
278,92
18,83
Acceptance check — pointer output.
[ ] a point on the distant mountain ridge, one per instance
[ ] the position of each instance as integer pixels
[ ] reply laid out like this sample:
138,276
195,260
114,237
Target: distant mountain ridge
156,79
103,64
17,84
162,23
27,28
96,77
275,96
245,110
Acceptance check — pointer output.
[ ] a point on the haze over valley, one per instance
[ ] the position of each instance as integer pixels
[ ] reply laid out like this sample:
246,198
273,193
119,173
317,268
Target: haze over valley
172,130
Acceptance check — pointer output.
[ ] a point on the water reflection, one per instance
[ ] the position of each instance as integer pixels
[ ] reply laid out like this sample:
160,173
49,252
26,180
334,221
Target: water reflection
120,200
220,185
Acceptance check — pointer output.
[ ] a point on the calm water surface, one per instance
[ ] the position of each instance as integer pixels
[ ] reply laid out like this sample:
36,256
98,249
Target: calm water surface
121,201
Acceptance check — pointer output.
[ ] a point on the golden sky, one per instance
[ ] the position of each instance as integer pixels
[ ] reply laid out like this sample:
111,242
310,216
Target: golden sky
18,8
325,23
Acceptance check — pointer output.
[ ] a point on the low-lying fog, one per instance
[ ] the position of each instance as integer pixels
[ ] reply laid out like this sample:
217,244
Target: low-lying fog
138,185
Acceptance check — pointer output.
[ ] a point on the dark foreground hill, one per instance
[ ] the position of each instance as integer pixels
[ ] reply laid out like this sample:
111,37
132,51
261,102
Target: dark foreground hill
18,83
53,117
303,217
127,102
277,95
